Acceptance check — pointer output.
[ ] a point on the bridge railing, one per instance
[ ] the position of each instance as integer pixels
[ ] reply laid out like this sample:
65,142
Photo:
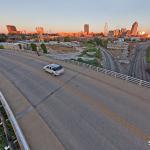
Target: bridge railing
21,139
105,71
112,73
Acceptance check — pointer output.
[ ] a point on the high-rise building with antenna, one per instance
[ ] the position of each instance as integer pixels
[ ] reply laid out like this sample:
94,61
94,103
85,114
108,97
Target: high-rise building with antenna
106,29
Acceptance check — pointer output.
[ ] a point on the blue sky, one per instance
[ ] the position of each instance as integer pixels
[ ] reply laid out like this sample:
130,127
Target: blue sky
70,15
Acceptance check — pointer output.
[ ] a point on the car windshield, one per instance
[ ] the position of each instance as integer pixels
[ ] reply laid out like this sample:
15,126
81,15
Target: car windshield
57,68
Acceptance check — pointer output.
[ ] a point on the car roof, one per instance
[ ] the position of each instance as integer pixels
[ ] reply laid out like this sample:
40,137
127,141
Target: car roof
54,65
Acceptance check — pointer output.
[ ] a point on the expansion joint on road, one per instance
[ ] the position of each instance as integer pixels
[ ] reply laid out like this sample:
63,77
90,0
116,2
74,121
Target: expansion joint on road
56,90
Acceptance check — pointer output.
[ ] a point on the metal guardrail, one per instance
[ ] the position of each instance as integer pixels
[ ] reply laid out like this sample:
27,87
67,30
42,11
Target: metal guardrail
21,139
105,71
112,73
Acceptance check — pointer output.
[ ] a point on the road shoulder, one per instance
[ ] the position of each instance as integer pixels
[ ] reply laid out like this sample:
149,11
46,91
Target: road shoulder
35,130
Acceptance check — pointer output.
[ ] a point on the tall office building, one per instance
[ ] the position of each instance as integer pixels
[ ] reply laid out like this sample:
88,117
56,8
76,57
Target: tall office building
11,29
40,30
106,29
86,28
117,32
134,29
123,30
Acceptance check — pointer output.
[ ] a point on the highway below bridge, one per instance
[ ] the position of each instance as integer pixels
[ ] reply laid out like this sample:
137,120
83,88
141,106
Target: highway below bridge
80,110
138,64
109,61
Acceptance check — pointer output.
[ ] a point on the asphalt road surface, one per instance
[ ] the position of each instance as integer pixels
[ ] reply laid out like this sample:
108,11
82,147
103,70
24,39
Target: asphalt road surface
139,64
82,112
109,61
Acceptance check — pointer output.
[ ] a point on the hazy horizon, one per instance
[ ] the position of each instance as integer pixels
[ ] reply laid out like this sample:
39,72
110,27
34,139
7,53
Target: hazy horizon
71,15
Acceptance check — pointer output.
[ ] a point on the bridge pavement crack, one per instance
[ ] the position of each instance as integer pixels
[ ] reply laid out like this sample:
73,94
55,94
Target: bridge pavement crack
56,90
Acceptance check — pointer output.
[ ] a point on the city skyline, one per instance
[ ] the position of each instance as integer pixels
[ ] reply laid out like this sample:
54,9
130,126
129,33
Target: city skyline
70,16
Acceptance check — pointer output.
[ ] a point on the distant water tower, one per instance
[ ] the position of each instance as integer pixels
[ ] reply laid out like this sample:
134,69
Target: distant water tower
106,29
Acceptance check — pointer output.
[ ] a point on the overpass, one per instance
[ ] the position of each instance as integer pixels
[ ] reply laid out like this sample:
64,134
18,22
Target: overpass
80,110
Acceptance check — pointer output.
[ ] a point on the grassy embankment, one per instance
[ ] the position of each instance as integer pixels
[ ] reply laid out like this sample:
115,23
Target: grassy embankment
90,47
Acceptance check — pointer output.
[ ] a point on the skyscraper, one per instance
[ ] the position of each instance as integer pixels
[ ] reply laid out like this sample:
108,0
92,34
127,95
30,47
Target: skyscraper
134,29
11,29
117,32
40,30
106,29
86,28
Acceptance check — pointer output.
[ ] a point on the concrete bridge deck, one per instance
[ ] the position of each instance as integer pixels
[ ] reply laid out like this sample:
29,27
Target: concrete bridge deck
80,110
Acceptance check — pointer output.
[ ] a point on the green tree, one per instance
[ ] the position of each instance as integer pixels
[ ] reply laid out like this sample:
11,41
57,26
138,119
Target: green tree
98,53
97,41
80,60
104,43
67,39
94,62
1,47
148,55
3,38
23,37
43,47
20,46
101,42
33,47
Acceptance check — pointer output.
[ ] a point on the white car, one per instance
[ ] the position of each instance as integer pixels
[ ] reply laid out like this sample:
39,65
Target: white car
54,69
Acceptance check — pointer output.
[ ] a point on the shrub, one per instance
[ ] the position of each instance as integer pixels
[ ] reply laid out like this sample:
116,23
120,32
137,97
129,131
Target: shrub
80,60
43,47
148,55
67,39
1,47
3,38
33,47
91,49
20,46
94,62
98,54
